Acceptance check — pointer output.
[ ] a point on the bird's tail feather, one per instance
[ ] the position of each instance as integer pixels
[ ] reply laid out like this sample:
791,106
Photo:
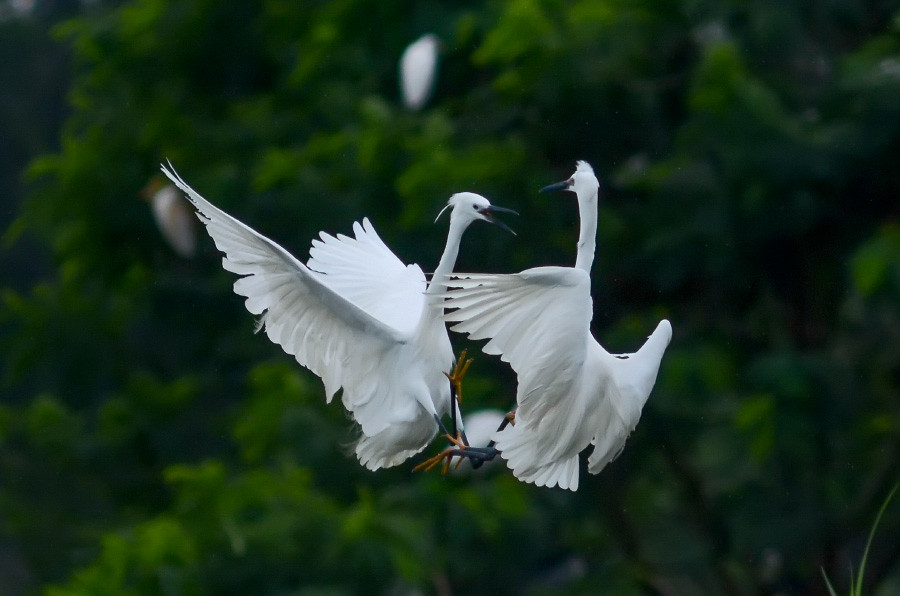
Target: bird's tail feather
523,456
396,443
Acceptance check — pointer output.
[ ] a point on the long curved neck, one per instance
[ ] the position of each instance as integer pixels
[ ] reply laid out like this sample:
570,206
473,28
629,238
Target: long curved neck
587,237
448,259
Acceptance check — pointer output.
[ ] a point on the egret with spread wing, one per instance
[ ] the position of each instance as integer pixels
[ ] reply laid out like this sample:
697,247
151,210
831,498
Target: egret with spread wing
357,317
571,391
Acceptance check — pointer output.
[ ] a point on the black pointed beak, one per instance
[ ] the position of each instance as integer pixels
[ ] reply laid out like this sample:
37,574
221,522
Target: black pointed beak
564,185
489,214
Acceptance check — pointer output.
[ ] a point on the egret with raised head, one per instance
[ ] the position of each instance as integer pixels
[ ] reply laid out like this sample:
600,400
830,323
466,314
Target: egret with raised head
571,392
357,317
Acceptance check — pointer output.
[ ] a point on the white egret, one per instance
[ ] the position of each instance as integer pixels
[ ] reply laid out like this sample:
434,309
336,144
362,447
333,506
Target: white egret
357,317
571,391
173,217
418,67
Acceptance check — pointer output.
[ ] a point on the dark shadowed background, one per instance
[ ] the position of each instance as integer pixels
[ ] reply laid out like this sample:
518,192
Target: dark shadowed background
750,160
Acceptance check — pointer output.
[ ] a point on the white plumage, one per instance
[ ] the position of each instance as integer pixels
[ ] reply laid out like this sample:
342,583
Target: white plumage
481,424
418,66
571,391
357,317
175,220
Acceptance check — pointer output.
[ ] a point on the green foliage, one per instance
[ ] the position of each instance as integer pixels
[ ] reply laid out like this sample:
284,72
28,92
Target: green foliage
151,443
876,264
856,585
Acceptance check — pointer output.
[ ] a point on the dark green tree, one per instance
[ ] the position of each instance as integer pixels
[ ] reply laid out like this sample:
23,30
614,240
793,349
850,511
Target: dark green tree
150,443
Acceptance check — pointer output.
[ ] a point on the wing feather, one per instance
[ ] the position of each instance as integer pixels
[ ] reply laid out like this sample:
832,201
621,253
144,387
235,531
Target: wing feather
365,271
537,320
326,332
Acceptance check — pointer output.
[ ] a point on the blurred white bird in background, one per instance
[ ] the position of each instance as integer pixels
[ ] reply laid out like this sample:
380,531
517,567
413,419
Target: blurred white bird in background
480,428
571,391
418,70
173,216
358,318
481,425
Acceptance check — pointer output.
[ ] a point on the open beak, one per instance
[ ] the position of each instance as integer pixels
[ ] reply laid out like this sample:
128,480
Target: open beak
564,185
489,212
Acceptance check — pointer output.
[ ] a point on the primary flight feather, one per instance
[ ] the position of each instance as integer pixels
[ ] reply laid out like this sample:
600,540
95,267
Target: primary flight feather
357,317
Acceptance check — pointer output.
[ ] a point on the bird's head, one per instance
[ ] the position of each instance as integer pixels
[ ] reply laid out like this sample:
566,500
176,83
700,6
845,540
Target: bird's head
583,182
466,207
154,185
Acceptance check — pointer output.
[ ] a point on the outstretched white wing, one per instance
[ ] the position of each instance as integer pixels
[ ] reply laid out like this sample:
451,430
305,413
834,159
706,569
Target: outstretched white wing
537,320
634,376
365,271
325,332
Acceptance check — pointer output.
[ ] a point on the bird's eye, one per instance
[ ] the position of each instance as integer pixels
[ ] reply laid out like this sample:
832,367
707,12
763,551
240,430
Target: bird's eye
475,207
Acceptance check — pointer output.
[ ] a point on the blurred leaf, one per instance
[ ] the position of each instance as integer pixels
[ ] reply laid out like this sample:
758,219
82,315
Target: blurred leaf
876,263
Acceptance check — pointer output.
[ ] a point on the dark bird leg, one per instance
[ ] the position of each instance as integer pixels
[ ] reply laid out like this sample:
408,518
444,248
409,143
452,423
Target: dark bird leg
461,447
490,452
477,455
455,377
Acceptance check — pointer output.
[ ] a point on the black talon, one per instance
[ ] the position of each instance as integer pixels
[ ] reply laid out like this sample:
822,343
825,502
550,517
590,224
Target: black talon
481,455
477,456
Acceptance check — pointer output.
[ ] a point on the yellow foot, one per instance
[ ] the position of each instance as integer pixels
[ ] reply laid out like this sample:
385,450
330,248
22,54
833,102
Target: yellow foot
445,457
457,440
459,371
